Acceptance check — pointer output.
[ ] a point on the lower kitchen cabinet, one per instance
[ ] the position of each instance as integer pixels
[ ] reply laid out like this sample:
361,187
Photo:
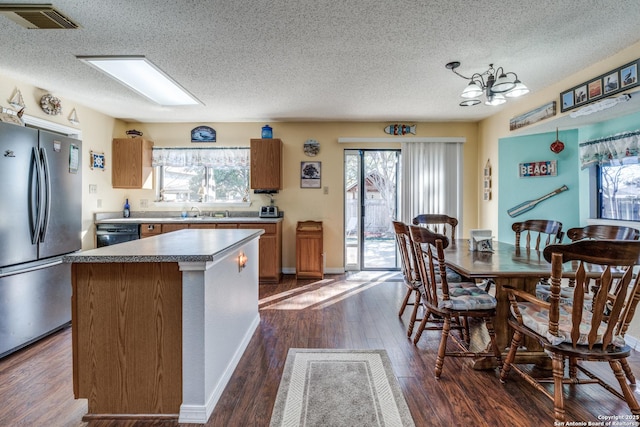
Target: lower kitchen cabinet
270,251
148,230
309,247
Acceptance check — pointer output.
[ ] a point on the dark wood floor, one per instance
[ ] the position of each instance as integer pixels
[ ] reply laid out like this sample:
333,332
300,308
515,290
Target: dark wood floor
36,385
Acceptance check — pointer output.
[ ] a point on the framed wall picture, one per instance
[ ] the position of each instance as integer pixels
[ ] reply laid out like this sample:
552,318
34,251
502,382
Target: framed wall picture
615,81
310,173
97,160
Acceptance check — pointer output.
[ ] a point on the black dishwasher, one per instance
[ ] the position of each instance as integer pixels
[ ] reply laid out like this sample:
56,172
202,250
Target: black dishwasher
111,234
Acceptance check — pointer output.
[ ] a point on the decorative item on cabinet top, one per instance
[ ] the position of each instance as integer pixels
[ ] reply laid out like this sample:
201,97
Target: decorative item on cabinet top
203,134
73,118
132,133
311,147
16,100
267,132
51,105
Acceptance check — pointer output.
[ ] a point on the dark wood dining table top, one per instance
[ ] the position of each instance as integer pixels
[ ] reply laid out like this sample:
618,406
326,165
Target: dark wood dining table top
506,260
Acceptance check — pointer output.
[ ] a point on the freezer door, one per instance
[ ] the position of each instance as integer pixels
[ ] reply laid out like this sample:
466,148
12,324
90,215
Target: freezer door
18,194
33,303
62,224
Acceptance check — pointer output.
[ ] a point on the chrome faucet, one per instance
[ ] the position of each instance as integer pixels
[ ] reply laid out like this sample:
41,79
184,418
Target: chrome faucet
226,213
198,209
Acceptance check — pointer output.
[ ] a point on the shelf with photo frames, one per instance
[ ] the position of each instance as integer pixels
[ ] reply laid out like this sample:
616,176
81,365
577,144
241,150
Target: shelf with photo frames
486,181
603,86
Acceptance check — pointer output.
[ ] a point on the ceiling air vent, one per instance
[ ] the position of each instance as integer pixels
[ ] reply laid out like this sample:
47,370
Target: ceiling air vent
37,16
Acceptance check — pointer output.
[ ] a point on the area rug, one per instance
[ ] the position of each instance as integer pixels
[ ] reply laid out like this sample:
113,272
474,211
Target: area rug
339,388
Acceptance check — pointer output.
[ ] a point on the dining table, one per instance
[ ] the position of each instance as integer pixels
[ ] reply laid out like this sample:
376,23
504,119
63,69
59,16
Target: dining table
506,264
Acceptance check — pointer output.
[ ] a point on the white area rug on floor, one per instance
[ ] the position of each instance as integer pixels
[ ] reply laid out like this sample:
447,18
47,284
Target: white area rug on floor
327,387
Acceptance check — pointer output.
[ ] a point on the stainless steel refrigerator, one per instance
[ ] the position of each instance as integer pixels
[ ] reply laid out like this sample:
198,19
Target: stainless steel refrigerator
40,220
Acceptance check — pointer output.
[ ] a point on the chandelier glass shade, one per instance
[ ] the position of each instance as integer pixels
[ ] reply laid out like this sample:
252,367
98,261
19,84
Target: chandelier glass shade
494,84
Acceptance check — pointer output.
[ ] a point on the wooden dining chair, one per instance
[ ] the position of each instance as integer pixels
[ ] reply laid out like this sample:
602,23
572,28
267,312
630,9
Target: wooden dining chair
409,273
452,303
438,223
543,232
570,332
603,231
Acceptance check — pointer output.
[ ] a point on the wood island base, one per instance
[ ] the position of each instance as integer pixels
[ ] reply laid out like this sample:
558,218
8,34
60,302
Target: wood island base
160,340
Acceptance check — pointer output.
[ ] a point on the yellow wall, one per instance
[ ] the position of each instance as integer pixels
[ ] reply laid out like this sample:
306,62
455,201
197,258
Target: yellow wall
311,204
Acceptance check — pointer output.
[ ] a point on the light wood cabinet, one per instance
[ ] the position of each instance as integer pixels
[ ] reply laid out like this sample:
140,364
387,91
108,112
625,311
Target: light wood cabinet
167,228
148,229
131,166
309,247
266,164
269,250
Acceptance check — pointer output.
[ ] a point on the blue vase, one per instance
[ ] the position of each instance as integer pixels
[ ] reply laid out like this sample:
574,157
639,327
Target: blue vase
267,132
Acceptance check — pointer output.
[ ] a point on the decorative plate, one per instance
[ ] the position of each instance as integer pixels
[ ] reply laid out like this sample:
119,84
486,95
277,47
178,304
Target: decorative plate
51,105
203,134
311,147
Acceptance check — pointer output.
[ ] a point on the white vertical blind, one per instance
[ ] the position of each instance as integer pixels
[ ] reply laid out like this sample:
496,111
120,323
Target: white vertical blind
432,179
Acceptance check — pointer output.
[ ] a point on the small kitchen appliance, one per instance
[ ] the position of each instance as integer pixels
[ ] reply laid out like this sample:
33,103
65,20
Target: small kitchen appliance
269,211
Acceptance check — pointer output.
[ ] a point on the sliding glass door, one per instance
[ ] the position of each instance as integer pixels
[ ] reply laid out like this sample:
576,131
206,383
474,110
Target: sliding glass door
371,203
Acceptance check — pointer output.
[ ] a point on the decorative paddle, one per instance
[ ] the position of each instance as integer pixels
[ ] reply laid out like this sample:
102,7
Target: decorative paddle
530,204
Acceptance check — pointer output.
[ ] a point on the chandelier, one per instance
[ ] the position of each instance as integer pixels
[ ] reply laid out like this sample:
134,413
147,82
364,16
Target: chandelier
495,84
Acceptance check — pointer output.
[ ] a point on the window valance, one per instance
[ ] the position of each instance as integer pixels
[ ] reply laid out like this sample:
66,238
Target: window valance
620,147
209,157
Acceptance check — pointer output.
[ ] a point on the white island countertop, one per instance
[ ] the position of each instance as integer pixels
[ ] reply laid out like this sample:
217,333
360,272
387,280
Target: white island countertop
189,245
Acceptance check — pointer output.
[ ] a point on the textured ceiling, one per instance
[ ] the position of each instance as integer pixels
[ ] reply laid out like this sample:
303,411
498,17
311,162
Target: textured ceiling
314,60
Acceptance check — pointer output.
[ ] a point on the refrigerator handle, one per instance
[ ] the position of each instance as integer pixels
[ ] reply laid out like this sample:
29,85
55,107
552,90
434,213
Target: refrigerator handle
47,194
38,223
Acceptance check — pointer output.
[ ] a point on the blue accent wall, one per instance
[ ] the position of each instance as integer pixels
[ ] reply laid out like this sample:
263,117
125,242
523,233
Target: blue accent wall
514,190
570,207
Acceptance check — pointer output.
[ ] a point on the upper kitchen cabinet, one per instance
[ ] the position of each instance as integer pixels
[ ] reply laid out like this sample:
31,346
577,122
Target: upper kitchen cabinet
131,163
266,164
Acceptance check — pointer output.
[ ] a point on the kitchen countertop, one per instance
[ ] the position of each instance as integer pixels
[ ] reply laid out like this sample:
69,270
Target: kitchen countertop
189,245
187,220
160,217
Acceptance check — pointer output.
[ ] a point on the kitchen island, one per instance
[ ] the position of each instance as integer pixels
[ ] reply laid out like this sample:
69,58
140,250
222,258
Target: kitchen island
159,324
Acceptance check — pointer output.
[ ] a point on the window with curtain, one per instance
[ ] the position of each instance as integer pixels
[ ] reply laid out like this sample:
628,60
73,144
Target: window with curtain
202,175
618,172
432,179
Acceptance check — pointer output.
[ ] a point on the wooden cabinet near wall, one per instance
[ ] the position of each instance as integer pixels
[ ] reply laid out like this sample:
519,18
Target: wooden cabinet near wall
148,230
131,164
266,164
270,251
309,256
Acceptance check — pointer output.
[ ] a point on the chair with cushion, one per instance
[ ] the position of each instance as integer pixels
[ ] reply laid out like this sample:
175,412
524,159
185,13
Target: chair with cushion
573,333
453,303
603,231
542,231
445,225
409,274
596,231
438,223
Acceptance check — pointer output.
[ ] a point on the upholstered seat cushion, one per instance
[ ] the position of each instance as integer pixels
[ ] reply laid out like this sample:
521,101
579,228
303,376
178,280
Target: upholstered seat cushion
466,296
536,318
543,292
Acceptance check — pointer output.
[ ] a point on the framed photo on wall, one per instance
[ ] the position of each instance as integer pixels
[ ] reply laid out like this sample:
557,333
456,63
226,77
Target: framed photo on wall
310,173
615,81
